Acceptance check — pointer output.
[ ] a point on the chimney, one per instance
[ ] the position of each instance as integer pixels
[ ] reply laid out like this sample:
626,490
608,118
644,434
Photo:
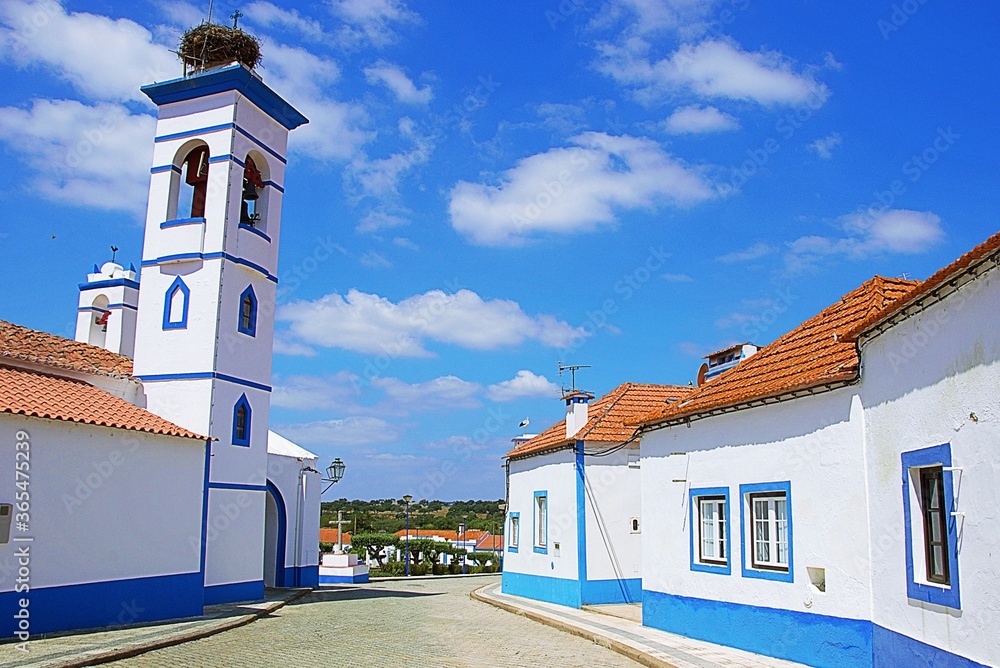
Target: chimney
576,412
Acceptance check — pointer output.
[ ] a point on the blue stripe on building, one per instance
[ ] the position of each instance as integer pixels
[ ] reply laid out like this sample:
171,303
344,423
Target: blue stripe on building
234,592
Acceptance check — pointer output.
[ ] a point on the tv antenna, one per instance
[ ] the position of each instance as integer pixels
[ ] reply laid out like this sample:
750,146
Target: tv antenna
572,368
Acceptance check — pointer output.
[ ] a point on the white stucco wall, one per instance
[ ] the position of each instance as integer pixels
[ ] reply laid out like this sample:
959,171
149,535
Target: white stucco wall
813,442
923,380
554,473
302,503
614,495
106,504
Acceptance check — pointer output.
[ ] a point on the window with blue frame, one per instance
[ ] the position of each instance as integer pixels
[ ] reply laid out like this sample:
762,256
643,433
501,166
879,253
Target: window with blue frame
930,523
175,305
710,540
541,523
248,312
241,422
514,531
766,530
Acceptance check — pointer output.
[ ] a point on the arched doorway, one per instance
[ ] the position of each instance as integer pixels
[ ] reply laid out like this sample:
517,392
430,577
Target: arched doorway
275,533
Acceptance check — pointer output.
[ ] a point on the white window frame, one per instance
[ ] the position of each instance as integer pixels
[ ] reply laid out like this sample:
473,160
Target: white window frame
771,526
717,528
514,531
540,512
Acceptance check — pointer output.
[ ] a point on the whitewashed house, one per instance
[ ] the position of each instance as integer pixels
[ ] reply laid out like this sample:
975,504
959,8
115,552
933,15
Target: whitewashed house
931,389
574,527
156,486
823,501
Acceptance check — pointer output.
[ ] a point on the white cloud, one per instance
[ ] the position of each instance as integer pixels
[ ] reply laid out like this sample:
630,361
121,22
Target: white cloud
523,384
652,16
375,260
393,78
380,220
338,391
271,16
403,242
575,189
444,393
753,252
372,324
371,21
95,156
699,120
715,68
871,233
349,431
103,58
283,345
823,147
335,129
380,177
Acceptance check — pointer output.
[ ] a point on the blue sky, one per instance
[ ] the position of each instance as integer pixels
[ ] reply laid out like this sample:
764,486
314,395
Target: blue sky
487,188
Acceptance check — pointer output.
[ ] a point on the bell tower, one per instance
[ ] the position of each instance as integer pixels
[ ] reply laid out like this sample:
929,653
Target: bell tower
205,321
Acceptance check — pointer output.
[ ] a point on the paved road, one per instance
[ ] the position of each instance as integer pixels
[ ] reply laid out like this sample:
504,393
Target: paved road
419,623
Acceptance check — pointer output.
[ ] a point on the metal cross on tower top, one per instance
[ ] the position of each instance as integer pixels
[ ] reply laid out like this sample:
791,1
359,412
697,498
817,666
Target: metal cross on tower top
236,16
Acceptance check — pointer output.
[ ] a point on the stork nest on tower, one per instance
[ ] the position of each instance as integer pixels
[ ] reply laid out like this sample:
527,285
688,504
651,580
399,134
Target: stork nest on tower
210,45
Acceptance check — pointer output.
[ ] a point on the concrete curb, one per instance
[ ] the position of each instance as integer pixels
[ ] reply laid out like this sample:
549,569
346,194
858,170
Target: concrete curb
614,645
401,578
127,650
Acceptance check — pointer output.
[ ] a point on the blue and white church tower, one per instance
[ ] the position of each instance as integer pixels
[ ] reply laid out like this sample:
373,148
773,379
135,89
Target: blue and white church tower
205,321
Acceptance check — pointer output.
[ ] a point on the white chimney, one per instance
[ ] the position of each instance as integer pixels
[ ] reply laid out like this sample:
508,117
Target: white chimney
576,412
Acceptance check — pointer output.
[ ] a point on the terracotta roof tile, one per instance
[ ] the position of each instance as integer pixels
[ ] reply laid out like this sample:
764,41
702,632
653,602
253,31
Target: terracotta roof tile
811,355
490,543
977,255
327,535
446,534
35,394
608,416
735,346
42,348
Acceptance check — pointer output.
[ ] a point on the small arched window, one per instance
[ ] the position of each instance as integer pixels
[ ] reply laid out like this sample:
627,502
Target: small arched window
175,305
253,186
248,312
241,422
194,184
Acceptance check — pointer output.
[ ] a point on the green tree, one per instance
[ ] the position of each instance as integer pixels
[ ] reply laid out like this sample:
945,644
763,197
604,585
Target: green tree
373,544
419,547
482,557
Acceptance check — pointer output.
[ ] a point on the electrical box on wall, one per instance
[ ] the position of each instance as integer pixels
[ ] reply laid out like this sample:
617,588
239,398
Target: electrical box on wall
6,514
633,525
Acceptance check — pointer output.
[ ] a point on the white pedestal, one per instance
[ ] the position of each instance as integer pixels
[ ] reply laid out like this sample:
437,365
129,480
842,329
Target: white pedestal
341,568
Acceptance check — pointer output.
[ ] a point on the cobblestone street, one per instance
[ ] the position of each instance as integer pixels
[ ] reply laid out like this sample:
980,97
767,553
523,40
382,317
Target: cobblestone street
425,623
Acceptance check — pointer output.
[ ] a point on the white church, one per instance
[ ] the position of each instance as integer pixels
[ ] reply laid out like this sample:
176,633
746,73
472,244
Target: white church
147,483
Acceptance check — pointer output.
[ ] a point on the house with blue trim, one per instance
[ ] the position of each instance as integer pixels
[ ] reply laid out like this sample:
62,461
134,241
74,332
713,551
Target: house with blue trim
574,525
832,500
159,487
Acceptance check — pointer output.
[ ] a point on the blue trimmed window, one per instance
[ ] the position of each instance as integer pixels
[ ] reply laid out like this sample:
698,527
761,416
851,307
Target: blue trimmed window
513,534
711,542
241,422
930,526
248,312
540,525
766,531
175,305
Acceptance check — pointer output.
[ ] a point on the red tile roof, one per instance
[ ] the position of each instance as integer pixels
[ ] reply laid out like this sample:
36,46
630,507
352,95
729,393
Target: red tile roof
490,543
608,417
812,355
978,255
446,534
30,345
735,346
330,536
42,395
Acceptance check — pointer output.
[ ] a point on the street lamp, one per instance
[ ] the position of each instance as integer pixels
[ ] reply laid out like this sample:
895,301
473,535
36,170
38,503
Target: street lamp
334,472
406,554
461,530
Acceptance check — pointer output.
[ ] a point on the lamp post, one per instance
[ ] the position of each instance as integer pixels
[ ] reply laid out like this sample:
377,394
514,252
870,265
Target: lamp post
334,472
406,554
461,530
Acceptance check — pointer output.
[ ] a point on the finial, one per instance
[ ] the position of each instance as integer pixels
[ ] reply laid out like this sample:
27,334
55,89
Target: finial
236,16
114,250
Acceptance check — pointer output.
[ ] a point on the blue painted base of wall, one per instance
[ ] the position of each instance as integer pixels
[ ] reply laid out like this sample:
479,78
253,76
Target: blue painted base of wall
234,592
301,576
893,649
542,588
815,640
570,592
99,604
602,592
342,579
